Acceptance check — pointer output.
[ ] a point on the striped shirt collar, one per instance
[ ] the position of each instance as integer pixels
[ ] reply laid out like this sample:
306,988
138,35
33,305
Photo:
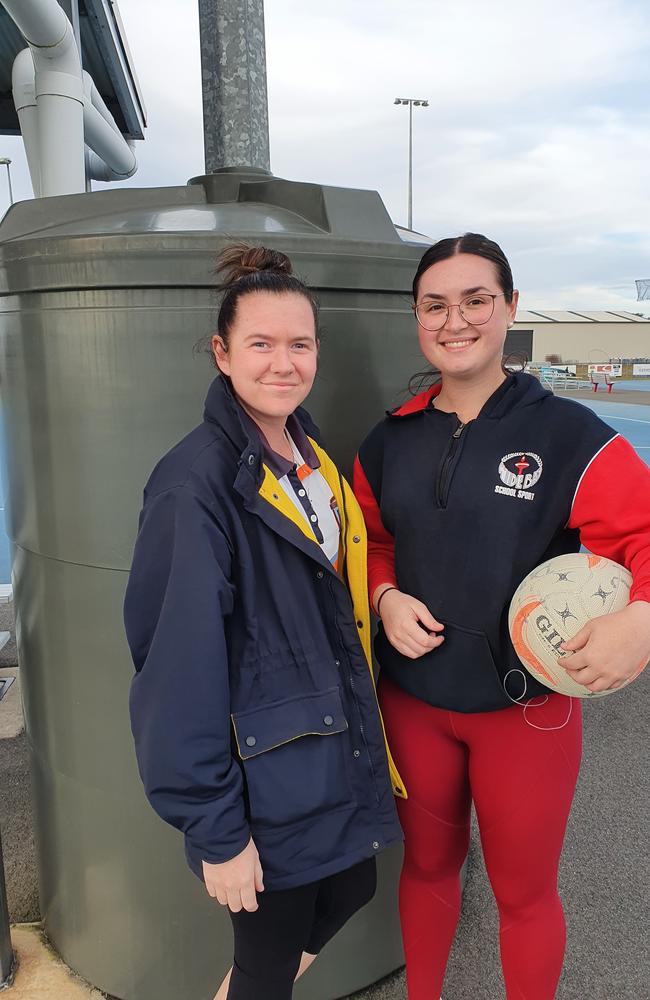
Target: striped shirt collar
279,465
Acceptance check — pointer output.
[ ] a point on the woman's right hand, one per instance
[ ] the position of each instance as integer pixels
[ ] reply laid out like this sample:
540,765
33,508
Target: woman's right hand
409,625
234,883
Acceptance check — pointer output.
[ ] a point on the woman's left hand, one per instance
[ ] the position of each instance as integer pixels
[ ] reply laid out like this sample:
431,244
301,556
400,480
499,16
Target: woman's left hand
610,651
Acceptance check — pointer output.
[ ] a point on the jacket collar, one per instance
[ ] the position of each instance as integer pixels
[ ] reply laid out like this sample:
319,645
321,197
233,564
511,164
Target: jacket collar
517,390
278,465
423,401
223,410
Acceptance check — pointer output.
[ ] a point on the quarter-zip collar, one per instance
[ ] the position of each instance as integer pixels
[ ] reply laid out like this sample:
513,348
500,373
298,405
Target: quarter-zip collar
448,464
517,390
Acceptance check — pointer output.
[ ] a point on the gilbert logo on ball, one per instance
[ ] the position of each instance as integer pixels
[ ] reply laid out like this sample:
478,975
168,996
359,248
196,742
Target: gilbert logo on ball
553,603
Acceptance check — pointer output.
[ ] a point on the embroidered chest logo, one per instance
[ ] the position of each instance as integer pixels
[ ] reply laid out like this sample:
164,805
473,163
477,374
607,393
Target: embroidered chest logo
519,472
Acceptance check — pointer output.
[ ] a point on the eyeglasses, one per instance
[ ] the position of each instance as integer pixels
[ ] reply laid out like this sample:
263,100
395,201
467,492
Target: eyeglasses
475,309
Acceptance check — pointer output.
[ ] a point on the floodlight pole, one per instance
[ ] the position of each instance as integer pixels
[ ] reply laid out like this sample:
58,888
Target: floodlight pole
5,161
235,103
418,102
410,211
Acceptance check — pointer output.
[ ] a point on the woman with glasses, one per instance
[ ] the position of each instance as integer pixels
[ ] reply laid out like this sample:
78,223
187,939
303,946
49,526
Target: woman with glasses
465,489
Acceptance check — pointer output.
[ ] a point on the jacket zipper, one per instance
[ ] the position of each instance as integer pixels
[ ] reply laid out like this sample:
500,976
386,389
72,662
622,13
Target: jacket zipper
444,476
363,736
354,696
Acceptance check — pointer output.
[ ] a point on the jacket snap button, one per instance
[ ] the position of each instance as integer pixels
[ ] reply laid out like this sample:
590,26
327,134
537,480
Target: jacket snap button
359,624
328,720
313,518
375,845
356,538
251,459
250,741
320,574
337,663
357,753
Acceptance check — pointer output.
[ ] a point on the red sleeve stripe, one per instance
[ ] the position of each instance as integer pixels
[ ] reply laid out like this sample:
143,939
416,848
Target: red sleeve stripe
586,468
611,510
381,545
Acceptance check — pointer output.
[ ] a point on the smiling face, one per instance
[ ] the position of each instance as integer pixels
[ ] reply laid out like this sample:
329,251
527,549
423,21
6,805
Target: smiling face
459,349
271,355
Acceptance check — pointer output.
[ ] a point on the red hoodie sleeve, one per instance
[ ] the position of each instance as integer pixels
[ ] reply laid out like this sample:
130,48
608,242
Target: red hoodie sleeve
611,510
381,545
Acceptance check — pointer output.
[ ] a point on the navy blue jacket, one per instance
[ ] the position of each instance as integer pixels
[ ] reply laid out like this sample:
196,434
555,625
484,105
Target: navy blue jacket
458,515
253,706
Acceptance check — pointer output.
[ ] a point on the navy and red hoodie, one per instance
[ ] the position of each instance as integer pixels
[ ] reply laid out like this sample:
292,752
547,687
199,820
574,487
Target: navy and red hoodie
457,515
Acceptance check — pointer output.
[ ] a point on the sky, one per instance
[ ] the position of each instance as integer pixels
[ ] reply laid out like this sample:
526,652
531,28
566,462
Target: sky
537,131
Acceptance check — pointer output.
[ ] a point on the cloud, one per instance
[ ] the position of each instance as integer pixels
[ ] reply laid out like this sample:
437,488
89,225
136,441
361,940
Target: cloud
466,55
164,41
534,132
569,204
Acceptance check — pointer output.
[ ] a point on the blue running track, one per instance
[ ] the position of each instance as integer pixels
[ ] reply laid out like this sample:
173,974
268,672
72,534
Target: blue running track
631,420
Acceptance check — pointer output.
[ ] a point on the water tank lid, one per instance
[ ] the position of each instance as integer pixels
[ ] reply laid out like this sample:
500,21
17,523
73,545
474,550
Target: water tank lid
167,237
343,213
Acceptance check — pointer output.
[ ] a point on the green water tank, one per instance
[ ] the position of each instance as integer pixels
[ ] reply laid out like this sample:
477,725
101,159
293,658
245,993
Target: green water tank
103,298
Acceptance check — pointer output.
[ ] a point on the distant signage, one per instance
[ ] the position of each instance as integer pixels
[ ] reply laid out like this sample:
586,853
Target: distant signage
559,369
605,369
641,369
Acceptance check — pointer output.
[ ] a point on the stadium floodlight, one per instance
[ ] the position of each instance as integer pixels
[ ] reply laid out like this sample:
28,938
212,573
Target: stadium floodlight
4,162
643,289
411,102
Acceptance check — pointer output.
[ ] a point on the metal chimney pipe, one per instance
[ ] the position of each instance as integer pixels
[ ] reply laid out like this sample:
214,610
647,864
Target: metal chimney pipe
235,103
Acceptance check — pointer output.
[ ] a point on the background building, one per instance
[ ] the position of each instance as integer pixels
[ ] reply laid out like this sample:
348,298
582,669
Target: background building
591,337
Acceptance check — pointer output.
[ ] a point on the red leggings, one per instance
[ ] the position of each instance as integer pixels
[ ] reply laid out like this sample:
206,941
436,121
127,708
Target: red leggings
522,782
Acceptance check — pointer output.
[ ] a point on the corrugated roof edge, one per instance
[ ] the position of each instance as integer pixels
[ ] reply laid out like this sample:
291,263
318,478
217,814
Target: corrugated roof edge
549,316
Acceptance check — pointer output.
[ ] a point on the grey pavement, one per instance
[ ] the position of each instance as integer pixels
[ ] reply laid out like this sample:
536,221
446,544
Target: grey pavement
622,396
8,655
15,797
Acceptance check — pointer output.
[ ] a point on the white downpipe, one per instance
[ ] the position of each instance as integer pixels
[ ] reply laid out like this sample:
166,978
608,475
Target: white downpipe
24,93
98,170
59,107
59,93
112,157
42,22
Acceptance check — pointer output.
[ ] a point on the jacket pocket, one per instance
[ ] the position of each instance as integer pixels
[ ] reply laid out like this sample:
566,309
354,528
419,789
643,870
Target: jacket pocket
294,758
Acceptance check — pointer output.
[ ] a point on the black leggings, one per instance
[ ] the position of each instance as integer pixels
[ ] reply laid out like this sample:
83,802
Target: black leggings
269,942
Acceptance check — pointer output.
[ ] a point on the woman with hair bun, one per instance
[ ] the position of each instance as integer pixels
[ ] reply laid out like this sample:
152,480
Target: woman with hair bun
253,707
465,489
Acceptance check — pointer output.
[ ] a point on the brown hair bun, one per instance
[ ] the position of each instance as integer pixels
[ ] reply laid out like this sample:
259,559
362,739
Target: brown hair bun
245,270
239,259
